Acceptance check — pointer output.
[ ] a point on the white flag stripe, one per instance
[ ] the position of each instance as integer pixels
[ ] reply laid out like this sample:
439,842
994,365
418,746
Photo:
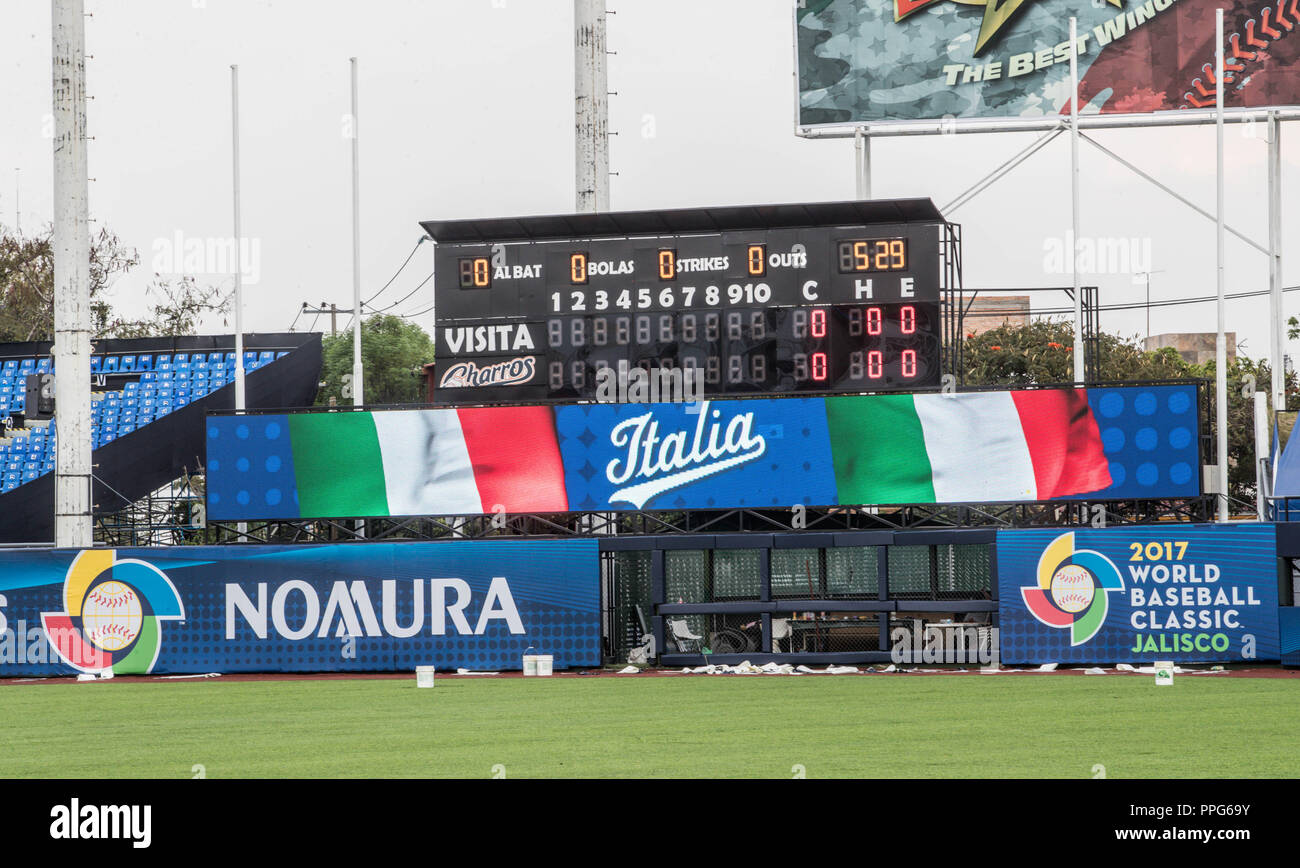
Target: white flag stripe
427,470
994,466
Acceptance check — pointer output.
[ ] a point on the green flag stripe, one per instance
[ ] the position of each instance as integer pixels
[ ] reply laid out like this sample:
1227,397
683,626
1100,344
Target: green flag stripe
878,448
140,658
338,465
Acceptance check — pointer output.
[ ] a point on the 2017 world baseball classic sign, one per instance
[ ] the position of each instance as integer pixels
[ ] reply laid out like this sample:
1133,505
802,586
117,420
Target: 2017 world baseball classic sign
1189,593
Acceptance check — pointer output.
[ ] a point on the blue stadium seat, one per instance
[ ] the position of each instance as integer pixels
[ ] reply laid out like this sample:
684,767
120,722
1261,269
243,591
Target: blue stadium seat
144,363
44,365
110,365
127,363
96,364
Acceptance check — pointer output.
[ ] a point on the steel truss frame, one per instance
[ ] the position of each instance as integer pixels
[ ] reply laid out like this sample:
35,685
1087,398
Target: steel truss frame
647,523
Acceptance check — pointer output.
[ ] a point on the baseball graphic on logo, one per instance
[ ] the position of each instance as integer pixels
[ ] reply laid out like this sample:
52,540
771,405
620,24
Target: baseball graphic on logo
112,615
1072,588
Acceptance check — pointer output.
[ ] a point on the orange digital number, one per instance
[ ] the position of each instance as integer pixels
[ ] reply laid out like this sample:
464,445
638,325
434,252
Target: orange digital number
667,264
482,277
757,259
578,268
861,256
898,259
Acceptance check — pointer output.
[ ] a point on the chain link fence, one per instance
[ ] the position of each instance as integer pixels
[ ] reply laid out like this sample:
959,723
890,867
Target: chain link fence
628,599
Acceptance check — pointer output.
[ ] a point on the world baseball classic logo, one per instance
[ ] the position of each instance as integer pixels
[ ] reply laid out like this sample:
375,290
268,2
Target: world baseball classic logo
1073,589
112,615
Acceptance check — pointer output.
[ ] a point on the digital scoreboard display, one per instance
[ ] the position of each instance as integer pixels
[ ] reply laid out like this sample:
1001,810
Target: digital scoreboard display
815,309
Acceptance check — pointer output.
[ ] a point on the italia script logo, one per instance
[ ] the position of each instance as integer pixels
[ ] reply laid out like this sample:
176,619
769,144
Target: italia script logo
655,462
464,374
997,15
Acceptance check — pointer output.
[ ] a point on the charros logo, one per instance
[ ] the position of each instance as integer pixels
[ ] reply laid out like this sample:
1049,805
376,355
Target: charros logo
1073,588
112,615
464,374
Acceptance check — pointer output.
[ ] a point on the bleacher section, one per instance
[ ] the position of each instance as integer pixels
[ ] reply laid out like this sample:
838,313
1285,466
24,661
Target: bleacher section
140,391
166,382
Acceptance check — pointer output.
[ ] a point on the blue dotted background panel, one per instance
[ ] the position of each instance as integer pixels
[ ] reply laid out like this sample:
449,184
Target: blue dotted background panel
554,586
795,466
1245,555
23,649
1150,435
250,471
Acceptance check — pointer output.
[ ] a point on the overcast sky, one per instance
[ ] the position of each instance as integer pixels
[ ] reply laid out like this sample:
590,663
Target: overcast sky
467,111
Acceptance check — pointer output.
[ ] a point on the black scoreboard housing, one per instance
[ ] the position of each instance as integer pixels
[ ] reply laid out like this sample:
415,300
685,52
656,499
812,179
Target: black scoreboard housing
823,298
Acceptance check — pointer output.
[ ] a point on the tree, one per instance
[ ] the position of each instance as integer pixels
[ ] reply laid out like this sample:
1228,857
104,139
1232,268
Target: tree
27,292
1041,353
27,283
393,353
179,305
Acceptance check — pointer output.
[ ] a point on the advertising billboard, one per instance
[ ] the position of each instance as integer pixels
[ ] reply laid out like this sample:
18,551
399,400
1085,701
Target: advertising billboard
951,60
970,447
302,608
1188,593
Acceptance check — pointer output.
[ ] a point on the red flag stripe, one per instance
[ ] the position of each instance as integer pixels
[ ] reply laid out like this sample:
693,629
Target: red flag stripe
516,458
1064,442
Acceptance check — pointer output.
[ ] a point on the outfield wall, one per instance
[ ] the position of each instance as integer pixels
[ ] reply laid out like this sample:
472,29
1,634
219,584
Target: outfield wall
1188,593
308,608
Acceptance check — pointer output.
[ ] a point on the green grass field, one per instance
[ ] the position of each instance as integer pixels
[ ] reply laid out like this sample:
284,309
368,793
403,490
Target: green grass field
888,726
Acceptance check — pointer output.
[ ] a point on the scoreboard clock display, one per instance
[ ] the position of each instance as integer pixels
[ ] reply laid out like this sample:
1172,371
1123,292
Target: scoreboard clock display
809,299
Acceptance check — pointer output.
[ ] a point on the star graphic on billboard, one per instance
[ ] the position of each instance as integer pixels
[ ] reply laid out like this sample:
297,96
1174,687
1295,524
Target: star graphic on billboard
997,14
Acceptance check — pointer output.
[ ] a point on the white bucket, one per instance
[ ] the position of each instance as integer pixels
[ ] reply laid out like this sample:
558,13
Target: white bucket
424,676
1164,673
538,665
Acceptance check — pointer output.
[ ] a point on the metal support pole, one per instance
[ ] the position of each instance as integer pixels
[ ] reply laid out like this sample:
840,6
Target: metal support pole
73,521
358,374
862,161
591,103
1277,313
1261,455
239,243
1074,200
1220,341
1188,202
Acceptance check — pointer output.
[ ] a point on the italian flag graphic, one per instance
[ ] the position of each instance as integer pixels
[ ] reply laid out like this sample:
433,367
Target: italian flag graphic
972,446
427,462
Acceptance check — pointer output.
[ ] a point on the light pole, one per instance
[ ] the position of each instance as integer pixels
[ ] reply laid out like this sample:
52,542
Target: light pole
1147,275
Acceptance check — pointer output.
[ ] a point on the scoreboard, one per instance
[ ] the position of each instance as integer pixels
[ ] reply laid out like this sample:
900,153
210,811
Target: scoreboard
531,312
